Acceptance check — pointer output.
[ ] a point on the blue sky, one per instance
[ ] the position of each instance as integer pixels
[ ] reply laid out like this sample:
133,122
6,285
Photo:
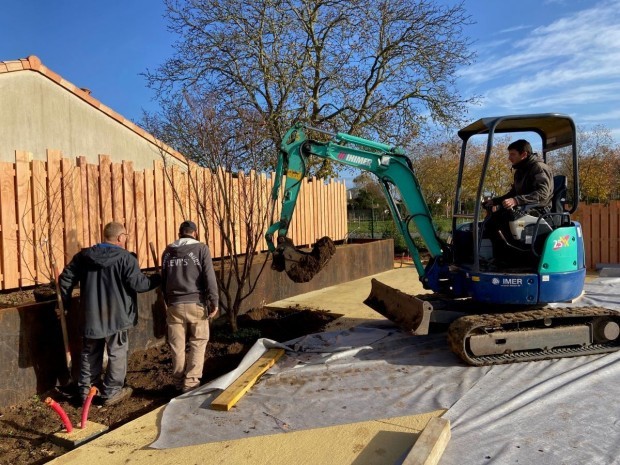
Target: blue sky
532,55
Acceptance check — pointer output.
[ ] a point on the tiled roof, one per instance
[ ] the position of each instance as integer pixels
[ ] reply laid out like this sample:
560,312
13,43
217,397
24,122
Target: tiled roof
32,63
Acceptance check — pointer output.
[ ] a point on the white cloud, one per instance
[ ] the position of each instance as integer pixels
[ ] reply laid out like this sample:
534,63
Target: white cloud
567,65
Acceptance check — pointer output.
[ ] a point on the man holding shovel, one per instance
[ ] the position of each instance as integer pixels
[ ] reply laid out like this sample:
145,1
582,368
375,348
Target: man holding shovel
110,279
190,290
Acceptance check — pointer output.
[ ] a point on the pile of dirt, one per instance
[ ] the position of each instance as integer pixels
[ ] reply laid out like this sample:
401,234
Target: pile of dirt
24,428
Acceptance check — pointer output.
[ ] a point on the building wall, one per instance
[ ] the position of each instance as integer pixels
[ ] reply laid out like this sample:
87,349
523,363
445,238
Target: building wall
38,114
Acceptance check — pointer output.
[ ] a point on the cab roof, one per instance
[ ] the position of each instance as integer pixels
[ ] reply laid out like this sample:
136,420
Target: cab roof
556,130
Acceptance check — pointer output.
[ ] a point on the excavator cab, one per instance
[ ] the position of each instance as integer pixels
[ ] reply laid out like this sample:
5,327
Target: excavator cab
525,230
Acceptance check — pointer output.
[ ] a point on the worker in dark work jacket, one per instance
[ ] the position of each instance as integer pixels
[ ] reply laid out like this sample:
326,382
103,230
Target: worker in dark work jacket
532,185
190,290
110,279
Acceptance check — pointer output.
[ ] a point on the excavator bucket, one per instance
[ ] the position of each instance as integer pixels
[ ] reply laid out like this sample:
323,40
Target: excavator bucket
301,266
406,311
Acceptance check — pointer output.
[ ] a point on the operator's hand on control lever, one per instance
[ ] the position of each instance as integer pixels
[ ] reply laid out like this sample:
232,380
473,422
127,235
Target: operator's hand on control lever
509,203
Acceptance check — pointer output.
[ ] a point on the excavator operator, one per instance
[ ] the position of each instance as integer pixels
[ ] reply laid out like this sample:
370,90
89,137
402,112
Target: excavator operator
532,188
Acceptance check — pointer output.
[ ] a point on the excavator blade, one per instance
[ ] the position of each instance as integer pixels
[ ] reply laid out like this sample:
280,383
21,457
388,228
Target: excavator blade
301,266
406,311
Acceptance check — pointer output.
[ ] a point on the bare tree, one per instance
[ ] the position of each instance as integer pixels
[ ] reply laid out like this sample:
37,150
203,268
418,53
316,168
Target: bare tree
378,69
231,196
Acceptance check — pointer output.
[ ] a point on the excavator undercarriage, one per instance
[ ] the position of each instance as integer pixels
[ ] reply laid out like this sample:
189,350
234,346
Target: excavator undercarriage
538,333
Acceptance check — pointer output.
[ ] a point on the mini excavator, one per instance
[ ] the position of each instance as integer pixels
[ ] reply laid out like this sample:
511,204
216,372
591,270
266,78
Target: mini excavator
496,310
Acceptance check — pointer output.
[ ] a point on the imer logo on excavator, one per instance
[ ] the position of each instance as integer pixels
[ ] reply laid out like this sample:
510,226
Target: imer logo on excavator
507,281
354,159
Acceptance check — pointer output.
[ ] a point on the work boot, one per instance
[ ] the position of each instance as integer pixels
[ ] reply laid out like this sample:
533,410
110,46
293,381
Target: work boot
123,394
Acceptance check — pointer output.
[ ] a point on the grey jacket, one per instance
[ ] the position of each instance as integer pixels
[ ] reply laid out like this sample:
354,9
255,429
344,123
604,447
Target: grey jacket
109,278
187,273
533,184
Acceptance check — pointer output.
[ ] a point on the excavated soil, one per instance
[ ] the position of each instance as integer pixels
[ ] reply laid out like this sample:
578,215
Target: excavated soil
24,428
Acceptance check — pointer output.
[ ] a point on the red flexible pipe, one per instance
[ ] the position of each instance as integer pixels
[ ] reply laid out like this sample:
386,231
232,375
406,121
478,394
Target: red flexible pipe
86,407
60,411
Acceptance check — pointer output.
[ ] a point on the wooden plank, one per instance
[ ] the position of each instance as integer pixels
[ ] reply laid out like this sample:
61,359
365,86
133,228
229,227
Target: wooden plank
431,443
243,200
231,395
614,231
605,243
94,216
41,228
141,237
130,205
83,177
596,233
150,210
69,210
25,235
194,188
180,196
54,202
169,205
160,202
118,204
105,189
208,212
8,221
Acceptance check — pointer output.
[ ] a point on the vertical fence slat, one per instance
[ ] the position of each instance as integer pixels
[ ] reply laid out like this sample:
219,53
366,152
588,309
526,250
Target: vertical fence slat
83,179
130,208
614,231
105,189
24,217
69,211
160,203
209,219
54,201
241,210
8,236
141,245
94,215
596,234
169,204
150,210
41,220
118,207
604,234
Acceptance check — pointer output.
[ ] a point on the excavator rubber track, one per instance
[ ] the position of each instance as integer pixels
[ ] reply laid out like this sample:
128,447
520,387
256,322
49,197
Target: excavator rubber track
541,334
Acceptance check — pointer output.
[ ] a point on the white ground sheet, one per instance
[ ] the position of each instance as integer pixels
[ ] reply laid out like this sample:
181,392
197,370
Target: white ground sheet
499,414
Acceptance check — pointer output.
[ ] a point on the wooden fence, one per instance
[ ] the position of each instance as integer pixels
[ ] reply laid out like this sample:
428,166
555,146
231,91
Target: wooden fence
601,232
56,207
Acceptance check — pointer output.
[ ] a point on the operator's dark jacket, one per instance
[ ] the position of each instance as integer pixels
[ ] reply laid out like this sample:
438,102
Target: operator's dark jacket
110,279
533,184
187,273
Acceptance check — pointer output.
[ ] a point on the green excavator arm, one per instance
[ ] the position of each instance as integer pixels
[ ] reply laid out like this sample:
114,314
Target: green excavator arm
388,163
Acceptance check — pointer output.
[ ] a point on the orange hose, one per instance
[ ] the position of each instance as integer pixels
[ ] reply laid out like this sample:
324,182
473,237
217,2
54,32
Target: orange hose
60,411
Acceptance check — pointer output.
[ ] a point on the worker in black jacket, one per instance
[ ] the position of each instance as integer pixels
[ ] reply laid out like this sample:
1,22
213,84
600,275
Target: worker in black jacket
532,186
110,279
190,289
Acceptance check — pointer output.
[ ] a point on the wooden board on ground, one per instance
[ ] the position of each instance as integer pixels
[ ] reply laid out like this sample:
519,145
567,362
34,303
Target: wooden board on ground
431,443
231,395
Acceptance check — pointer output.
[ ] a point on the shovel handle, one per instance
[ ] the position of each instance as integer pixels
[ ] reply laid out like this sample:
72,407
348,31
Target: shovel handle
63,320
154,254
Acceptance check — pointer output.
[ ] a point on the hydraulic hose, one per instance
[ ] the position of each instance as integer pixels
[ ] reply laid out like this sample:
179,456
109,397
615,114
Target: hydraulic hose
86,407
61,413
